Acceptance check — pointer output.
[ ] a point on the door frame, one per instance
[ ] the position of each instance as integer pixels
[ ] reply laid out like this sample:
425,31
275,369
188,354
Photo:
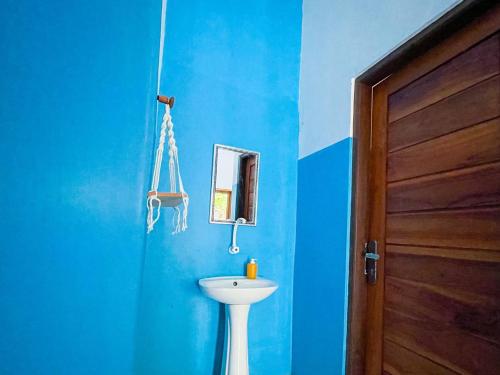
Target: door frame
459,27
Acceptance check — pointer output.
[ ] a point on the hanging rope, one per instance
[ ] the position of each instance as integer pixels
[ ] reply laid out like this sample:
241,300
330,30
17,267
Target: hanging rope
167,127
179,220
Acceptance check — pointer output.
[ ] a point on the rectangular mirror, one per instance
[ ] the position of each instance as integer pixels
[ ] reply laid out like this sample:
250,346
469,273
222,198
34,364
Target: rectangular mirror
234,185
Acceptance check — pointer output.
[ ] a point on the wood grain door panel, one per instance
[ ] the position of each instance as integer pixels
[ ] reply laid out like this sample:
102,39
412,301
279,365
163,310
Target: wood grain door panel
471,228
434,208
471,146
474,105
464,188
399,360
467,69
441,343
464,310
476,277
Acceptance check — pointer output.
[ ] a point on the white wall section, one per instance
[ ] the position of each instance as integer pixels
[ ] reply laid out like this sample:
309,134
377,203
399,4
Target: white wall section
340,39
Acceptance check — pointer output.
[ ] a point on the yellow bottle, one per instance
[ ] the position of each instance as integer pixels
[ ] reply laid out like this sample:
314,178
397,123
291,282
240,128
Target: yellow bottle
252,269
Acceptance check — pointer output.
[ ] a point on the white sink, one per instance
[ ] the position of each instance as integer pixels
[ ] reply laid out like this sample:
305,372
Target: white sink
237,290
238,293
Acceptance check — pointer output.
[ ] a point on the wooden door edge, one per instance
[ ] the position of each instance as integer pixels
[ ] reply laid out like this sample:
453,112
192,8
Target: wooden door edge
357,285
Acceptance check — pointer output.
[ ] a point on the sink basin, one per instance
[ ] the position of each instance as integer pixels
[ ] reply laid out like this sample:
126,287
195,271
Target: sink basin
237,290
238,293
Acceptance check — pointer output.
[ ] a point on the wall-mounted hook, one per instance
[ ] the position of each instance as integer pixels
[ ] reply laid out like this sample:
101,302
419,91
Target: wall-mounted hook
166,100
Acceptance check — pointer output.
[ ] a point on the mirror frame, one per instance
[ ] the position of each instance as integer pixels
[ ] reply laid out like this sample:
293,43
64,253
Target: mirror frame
214,174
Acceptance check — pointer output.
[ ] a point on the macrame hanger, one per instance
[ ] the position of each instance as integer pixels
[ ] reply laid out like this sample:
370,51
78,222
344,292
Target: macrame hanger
167,129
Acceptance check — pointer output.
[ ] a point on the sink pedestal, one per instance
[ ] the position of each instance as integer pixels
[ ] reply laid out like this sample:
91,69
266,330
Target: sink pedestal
238,293
237,340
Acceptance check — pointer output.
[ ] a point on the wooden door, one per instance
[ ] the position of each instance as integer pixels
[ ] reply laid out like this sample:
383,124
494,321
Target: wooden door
250,187
246,200
434,209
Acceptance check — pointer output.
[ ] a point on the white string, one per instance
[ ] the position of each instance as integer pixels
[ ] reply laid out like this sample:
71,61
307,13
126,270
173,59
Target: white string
172,149
153,200
151,219
181,224
162,44
185,197
173,162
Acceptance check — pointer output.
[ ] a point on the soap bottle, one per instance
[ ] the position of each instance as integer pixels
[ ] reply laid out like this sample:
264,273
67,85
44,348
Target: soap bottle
252,269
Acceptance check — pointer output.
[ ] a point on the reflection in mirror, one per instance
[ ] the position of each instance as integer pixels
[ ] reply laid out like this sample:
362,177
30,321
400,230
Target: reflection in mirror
234,185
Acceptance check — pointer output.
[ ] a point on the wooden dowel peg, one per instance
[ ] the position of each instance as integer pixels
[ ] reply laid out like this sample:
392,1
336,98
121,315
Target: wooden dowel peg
166,100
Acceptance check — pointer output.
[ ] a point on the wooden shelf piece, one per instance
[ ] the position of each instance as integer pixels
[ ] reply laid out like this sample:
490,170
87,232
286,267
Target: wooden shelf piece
169,199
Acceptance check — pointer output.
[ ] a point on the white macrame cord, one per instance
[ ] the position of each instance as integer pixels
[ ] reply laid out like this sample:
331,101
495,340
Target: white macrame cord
179,220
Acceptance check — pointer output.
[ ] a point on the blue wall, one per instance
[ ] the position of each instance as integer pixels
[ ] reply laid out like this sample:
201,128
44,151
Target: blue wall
77,87
321,269
234,69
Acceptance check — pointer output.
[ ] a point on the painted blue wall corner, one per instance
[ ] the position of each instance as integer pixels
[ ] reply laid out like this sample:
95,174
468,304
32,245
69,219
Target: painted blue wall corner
76,95
234,69
321,261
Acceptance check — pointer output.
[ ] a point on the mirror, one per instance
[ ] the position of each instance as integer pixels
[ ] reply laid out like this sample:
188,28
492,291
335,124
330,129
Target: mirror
234,185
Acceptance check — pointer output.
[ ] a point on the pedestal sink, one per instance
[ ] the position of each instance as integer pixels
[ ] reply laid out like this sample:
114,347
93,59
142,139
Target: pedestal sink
238,293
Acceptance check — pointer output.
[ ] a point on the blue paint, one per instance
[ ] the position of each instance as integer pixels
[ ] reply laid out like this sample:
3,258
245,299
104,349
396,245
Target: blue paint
77,87
81,286
321,261
234,70
336,49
